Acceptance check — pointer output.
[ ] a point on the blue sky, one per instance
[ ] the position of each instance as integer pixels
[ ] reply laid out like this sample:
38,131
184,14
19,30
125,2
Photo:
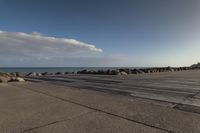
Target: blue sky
102,32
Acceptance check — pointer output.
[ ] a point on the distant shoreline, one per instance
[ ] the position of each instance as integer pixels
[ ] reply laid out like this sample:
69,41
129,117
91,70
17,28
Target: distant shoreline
92,70
57,69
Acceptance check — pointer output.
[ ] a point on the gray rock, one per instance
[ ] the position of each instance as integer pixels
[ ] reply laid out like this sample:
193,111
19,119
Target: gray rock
4,79
59,73
13,74
16,79
32,74
19,74
45,73
38,74
195,65
123,73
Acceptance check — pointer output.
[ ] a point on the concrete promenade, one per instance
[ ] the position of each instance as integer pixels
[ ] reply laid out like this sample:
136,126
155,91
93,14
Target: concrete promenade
166,102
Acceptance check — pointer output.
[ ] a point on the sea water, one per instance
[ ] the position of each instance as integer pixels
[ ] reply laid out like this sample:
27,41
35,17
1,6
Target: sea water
52,69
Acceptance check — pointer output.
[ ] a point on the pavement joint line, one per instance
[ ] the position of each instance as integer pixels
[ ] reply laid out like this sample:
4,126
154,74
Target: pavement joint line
136,86
186,98
174,104
58,121
185,110
98,110
190,96
128,95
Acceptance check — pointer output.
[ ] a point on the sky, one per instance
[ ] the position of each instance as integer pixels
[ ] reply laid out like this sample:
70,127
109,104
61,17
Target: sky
99,33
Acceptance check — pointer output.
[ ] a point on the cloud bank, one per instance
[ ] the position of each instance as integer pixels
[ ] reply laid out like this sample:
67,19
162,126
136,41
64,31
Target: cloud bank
19,49
35,45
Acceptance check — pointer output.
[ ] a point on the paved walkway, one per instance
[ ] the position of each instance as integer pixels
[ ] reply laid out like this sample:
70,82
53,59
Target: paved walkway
154,103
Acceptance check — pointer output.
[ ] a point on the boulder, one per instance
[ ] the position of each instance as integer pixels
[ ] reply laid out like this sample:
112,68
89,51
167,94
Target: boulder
58,73
139,71
107,72
38,74
115,72
171,70
123,73
13,74
19,74
31,74
82,72
45,73
144,71
19,79
4,79
66,72
16,79
195,65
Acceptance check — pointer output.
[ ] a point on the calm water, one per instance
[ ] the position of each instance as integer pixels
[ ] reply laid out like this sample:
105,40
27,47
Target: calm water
53,69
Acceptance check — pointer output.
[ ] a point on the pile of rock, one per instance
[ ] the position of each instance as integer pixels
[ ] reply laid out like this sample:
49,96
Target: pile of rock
32,74
126,71
106,72
196,65
120,71
11,77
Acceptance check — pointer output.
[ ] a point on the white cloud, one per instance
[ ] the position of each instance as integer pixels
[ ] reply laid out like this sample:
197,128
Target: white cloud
36,45
36,50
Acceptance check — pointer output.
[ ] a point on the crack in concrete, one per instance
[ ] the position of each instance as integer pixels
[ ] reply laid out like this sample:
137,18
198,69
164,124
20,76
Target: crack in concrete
98,110
58,121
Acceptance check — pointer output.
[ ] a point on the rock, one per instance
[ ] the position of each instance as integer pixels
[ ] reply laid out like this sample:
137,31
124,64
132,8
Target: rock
66,72
58,73
171,70
107,72
195,65
45,73
115,72
91,72
4,79
134,71
19,74
144,71
16,79
123,73
13,74
82,72
32,74
38,74
101,72
139,71
19,79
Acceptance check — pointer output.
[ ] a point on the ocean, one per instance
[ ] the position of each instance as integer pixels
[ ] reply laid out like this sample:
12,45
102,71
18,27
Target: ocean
52,69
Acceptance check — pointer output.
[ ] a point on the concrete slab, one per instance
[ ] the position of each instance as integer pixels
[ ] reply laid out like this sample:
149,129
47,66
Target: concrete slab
22,109
125,107
96,122
97,103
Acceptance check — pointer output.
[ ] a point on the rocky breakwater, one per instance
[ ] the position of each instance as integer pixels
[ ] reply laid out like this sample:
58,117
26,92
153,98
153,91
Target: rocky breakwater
119,71
11,77
127,71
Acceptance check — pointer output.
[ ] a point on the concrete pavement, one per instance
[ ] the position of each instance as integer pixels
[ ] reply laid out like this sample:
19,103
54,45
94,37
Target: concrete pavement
58,106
